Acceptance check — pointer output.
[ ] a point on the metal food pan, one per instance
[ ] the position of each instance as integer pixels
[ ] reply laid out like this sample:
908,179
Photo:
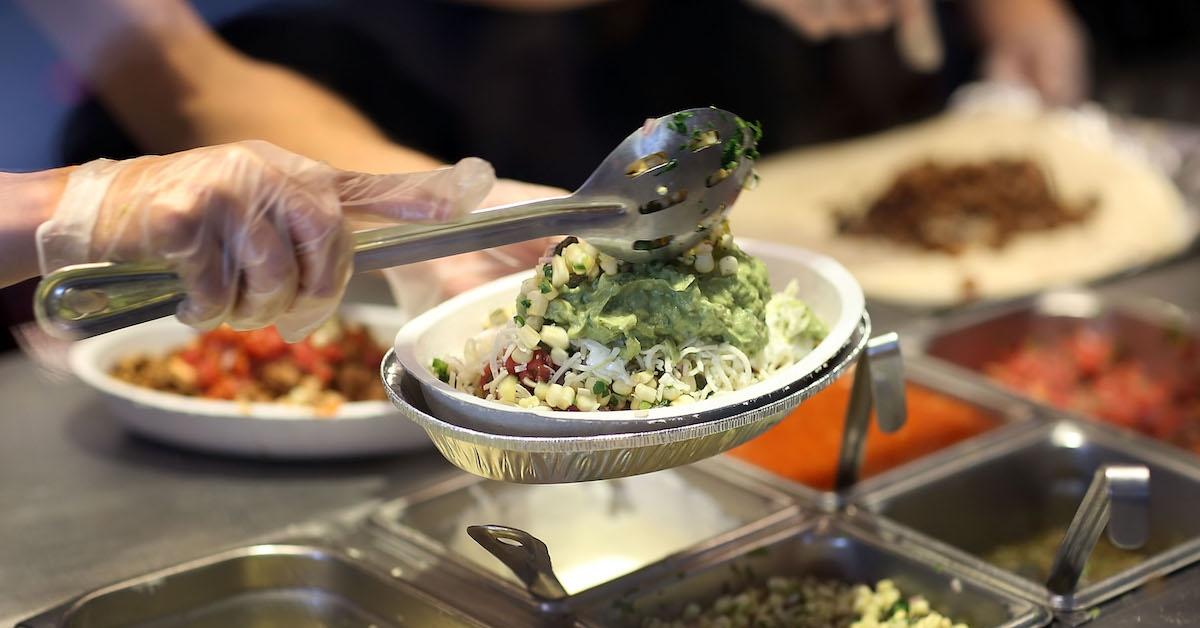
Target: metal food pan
998,407
1028,482
836,546
1149,331
595,532
296,586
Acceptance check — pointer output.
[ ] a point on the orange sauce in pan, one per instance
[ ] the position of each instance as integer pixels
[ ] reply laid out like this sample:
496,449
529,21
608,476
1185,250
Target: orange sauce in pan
804,446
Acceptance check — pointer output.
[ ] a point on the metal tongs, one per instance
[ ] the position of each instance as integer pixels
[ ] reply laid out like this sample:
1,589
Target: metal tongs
654,197
1117,500
879,386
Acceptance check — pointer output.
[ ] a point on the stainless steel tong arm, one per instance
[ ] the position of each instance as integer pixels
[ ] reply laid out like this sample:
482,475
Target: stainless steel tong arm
85,300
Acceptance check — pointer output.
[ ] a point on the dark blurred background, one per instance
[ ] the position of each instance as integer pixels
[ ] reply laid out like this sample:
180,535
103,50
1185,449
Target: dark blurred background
463,74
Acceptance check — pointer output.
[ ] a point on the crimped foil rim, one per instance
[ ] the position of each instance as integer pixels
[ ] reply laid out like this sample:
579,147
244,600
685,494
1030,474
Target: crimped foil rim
761,408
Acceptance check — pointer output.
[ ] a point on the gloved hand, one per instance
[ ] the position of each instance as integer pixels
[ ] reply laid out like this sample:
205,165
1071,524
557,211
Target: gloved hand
818,19
1036,43
417,287
258,234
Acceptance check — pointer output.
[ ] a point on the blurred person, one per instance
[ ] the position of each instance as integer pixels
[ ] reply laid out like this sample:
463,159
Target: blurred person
1038,43
541,88
259,235
389,86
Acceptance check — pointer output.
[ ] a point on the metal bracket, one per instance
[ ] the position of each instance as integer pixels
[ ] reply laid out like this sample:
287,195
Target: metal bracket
878,385
1117,499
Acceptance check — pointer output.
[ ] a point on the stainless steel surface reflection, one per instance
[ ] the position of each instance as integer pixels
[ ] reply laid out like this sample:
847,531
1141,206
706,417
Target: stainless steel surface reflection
292,586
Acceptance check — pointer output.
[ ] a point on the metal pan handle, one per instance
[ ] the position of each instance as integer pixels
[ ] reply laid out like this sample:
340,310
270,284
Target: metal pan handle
1117,499
525,555
878,385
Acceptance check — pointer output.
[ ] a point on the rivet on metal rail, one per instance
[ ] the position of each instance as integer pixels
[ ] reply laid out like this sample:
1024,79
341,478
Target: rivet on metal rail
525,555
1117,499
879,385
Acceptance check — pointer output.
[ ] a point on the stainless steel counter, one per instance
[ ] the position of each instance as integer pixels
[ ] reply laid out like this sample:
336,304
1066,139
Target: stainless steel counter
85,503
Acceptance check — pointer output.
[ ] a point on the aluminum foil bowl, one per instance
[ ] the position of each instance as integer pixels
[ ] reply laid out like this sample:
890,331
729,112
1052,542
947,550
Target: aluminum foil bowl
626,448
822,283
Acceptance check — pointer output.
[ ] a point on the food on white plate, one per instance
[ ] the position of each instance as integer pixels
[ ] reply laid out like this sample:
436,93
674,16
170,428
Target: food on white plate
589,332
337,363
1100,208
809,601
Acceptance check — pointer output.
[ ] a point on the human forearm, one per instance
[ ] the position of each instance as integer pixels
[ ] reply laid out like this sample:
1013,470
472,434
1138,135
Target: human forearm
251,99
174,85
28,201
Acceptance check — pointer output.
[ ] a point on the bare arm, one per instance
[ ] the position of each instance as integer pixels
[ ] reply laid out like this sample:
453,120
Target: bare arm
173,85
28,200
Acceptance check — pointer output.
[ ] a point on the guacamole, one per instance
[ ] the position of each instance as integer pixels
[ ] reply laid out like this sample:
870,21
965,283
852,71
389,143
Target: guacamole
672,303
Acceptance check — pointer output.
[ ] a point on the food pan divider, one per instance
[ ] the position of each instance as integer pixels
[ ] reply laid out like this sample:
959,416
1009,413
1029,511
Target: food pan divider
845,545
1169,468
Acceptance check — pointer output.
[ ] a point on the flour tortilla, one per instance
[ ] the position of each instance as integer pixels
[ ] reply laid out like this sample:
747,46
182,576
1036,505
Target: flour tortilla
1141,216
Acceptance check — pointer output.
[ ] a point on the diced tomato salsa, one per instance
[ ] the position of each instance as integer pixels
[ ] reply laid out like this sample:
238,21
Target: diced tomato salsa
1087,372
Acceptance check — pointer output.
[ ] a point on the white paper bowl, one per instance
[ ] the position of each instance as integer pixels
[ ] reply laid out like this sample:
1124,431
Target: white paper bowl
824,284
262,430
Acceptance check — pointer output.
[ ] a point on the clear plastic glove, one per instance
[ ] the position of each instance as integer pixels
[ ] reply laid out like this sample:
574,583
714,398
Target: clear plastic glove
417,287
1037,43
259,235
818,19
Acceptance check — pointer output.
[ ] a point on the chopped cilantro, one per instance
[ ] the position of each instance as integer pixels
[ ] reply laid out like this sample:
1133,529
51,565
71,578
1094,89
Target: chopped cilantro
600,388
441,369
544,286
519,320
735,149
732,152
670,165
678,122
547,271
756,129
525,303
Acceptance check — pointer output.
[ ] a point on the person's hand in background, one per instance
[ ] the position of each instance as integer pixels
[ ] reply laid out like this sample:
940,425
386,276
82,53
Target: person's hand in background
417,287
259,235
1038,43
819,19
